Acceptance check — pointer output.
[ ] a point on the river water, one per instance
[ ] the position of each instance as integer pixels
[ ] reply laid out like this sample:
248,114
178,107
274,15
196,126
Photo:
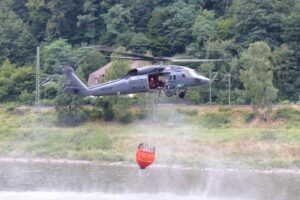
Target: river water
60,180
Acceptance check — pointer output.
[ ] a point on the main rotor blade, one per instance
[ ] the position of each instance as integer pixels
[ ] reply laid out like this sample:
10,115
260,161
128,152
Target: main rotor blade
93,47
178,60
134,55
125,57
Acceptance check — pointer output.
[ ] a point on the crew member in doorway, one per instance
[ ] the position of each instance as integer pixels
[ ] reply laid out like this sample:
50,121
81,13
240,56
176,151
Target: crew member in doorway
152,82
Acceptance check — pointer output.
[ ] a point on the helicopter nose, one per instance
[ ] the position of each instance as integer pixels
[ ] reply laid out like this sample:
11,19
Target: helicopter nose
202,80
205,80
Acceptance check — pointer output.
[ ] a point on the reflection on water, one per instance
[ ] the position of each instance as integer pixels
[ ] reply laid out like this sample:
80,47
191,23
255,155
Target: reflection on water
30,180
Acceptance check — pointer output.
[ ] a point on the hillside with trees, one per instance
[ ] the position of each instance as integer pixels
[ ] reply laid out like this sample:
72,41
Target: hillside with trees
261,39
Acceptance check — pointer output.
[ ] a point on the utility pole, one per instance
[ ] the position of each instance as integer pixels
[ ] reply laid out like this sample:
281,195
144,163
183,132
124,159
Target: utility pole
37,82
229,88
210,83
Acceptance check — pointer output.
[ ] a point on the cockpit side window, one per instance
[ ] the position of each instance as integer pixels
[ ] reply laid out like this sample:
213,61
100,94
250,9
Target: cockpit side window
183,76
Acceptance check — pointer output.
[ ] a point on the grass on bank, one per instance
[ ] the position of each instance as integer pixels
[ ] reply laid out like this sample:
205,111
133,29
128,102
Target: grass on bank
200,136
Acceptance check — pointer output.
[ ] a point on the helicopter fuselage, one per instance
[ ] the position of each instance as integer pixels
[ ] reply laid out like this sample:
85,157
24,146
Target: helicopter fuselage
168,78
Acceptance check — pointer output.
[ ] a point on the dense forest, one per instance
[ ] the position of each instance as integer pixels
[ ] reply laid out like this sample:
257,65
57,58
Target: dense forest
260,37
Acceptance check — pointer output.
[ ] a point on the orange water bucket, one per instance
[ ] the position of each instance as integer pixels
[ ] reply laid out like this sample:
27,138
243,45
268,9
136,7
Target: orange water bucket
145,156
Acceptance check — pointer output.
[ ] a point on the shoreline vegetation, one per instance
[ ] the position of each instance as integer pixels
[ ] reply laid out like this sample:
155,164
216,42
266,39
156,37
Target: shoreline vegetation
190,136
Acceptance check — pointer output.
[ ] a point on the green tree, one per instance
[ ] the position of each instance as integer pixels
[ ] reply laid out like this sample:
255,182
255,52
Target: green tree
198,3
257,76
118,21
292,30
91,62
15,80
55,55
38,17
204,30
220,7
62,23
284,7
292,38
118,68
225,28
18,7
59,53
90,22
23,79
6,71
159,43
222,49
179,25
16,41
139,43
141,12
286,73
258,21
170,27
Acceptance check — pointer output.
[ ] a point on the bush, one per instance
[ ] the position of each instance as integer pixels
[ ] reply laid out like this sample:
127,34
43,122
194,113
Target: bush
285,103
108,113
225,110
123,115
142,113
26,97
48,102
72,118
50,90
192,112
95,113
215,120
17,110
10,109
88,101
126,117
249,116
287,112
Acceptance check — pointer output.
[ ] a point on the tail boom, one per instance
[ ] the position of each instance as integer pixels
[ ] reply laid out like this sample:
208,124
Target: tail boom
78,87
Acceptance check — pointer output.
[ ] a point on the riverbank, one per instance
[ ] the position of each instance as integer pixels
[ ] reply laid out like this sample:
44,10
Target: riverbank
210,137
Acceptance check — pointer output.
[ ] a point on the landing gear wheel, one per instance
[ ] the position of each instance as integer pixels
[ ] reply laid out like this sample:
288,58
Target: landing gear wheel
182,94
168,93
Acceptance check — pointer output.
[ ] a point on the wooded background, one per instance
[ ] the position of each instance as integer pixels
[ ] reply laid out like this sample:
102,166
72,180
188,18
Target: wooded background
261,37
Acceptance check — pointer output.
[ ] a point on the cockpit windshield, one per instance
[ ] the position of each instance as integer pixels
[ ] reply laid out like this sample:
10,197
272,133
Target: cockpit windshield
192,73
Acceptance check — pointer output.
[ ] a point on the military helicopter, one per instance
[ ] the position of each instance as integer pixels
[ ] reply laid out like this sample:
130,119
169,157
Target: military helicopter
171,79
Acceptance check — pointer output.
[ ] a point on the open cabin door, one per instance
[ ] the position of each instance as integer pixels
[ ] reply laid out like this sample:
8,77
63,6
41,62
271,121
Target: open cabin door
156,81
